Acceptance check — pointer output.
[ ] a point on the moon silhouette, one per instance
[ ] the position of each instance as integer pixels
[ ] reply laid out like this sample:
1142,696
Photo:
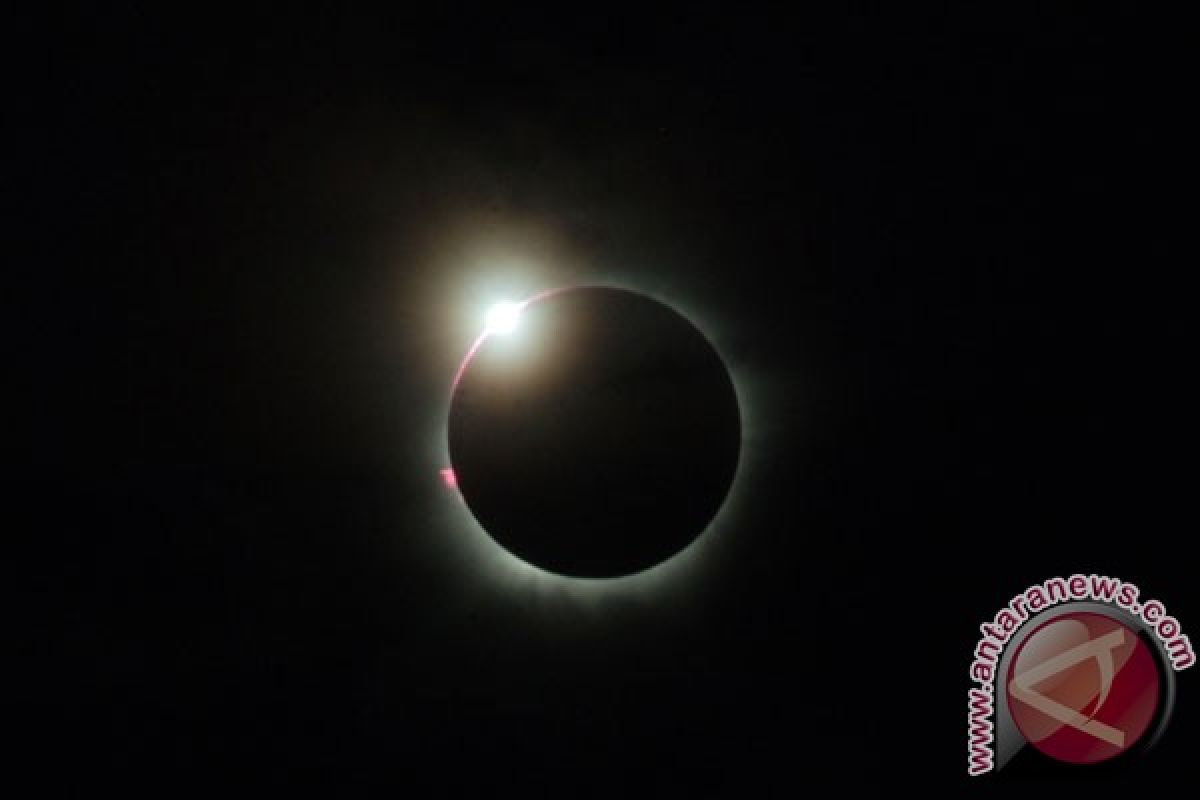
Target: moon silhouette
597,436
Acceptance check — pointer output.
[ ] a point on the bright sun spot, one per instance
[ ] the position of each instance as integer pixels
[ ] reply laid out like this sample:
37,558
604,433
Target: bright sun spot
502,317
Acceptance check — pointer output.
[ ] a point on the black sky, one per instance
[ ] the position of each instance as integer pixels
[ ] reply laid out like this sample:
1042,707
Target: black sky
939,246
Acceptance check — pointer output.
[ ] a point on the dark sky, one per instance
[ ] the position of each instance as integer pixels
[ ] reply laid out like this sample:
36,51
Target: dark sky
938,248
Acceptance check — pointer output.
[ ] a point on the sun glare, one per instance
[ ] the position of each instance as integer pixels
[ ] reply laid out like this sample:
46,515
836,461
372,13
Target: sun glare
502,318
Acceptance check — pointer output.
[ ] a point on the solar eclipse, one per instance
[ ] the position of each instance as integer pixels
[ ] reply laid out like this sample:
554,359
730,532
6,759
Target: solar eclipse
602,442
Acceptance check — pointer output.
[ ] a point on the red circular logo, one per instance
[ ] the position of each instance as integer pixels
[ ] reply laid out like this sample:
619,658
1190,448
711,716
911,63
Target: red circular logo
1083,688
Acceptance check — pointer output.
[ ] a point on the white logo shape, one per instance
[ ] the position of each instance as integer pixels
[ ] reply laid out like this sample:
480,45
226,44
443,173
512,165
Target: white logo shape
1101,649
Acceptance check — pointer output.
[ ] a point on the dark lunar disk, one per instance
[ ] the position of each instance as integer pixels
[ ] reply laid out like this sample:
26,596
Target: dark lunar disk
597,439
